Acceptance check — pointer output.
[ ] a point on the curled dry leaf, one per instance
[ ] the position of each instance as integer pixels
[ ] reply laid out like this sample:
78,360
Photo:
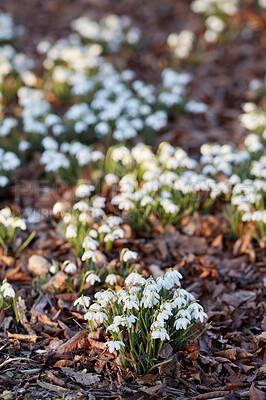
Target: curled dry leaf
22,338
77,342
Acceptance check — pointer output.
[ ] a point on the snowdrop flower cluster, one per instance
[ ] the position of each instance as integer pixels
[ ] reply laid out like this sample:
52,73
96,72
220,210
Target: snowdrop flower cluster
86,225
181,44
164,184
105,104
6,290
248,205
8,296
14,65
10,226
253,118
111,31
9,161
144,315
215,12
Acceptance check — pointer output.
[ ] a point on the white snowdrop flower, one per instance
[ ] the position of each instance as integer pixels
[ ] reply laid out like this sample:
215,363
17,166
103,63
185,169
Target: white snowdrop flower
19,223
104,297
126,205
114,345
185,293
58,208
81,206
58,129
197,311
184,314
7,125
234,179
157,325
102,129
4,181
111,179
71,231
99,202
88,255
181,323
84,190
174,275
164,282
7,290
129,255
97,155
109,237
104,229
169,207
114,221
89,315
209,170
24,145
131,319
84,217
93,233
99,317
97,212
49,143
121,153
196,107
131,302
80,126
119,233
146,200
244,207
215,23
179,302
68,218
111,279
90,244
135,279
113,328
92,278
52,119
52,269
71,268
161,334
82,300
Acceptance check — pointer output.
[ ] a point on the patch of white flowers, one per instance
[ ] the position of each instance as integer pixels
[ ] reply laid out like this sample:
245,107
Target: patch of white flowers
215,12
86,225
8,298
143,316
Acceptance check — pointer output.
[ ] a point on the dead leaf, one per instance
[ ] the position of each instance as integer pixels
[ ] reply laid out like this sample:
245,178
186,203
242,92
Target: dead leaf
23,338
86,379
166,351
77,342
256,394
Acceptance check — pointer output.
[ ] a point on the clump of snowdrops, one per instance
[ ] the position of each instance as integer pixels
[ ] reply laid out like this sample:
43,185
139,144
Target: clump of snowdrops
86,226
218,17
143,316
163,184
8,298
10,227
